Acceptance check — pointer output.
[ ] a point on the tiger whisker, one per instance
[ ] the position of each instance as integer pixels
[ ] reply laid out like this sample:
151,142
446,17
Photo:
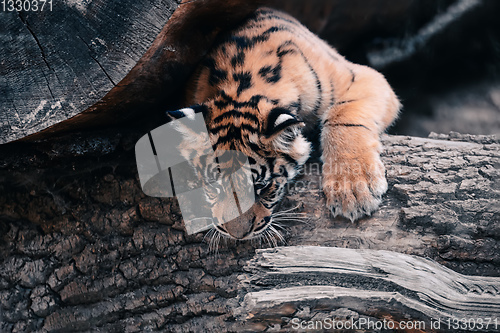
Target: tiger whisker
291,217
209,233
279,225
284,218
212,240
277,233
268,241
271,237
290,209
290,213
217,244
293,220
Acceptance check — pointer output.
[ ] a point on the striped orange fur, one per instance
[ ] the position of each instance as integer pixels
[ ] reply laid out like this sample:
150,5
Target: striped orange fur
268,89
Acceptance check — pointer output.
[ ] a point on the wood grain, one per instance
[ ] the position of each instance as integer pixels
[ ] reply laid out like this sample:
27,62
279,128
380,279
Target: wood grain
370,282
57,63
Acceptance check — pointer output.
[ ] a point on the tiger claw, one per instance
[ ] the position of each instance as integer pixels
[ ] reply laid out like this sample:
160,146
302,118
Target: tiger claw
355,196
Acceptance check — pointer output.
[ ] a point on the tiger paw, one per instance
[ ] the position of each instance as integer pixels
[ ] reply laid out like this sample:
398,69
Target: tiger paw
354,187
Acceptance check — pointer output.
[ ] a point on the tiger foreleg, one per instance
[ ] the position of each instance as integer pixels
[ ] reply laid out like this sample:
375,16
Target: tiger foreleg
353,174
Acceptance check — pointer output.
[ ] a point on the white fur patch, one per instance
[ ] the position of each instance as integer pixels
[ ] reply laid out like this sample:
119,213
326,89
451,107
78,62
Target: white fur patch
286,139
302,147
282,118
188,112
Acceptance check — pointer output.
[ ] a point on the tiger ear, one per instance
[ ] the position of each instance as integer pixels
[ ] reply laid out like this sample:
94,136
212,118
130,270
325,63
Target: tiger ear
187,112
284,132
280,120
190,124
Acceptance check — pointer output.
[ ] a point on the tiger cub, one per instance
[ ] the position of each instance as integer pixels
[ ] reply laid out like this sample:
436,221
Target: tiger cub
266,89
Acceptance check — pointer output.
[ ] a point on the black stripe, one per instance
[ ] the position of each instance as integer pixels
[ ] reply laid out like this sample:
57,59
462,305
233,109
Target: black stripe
245,80
345,125
216,75
270,161
263,171
291,160
254,147
251,103
280,52
275,199
271,74
348,101
236,113
233,135
247,127
318,83
332,92
245,43
238,59
227,100
353,78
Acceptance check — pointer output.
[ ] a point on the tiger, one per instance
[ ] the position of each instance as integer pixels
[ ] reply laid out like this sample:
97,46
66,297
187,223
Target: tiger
276,92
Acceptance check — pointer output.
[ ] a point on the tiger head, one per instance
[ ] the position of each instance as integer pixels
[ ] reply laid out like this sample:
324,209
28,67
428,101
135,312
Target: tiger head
271,139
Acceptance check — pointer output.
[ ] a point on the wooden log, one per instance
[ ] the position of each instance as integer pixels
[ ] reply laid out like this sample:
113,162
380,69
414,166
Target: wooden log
82,248
60,61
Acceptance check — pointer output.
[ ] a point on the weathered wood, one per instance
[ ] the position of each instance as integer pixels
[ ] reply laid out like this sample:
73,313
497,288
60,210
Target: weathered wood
60,61
82,248
370,282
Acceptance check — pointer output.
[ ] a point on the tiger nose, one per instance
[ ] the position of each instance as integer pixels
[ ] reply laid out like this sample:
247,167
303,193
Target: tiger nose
239,227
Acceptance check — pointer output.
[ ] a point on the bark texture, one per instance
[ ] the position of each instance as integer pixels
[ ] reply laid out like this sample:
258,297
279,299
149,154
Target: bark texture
83,249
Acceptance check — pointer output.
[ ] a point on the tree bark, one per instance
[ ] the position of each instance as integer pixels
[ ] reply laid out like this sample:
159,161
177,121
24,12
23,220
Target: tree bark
82,248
